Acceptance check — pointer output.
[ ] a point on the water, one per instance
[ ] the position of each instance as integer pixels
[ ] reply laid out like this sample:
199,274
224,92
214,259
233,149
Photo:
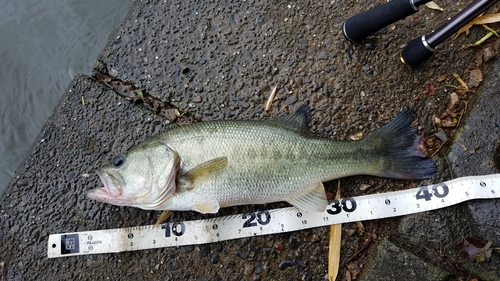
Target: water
43,44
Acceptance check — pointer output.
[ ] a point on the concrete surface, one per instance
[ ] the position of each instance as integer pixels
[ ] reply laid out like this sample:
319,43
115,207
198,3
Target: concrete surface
220,61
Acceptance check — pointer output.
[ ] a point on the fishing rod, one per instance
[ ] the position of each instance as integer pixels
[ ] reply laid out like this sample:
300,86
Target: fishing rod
361,25
421,48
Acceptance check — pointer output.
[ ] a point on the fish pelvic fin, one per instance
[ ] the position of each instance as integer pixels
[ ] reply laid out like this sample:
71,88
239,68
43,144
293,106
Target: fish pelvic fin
163,217
205,171
210,207
398,147
314,200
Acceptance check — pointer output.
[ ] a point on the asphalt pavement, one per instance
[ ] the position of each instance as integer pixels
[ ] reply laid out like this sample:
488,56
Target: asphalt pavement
221,61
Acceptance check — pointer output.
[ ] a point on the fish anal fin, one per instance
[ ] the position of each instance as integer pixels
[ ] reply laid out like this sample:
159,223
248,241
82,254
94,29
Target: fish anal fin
314,200
205,171
210,207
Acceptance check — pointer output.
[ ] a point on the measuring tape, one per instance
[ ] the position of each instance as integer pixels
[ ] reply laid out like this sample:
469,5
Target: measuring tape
367,207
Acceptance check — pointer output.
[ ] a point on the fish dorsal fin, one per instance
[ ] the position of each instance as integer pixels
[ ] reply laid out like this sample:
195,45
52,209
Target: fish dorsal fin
314,200
297,120
205,171
207,207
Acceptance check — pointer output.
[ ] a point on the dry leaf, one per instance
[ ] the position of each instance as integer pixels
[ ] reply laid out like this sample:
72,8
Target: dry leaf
453,100
484,19
476,77
360,226
364,186
357,136
434,6
441,78
475,249
431,90
271,98
437,121
460,81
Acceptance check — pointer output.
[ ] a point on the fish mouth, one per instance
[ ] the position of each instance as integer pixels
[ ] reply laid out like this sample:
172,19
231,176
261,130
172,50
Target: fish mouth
109,191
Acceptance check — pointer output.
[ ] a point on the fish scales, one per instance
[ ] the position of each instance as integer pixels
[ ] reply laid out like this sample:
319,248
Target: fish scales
266,160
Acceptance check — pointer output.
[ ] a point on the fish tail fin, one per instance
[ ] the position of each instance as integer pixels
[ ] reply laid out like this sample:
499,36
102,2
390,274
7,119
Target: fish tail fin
398,147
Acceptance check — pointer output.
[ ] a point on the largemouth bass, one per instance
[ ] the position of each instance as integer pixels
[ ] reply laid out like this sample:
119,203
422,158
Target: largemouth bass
209,165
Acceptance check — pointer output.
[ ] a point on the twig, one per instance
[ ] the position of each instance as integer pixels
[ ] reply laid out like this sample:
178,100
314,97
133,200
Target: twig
360,250
335,244
462,114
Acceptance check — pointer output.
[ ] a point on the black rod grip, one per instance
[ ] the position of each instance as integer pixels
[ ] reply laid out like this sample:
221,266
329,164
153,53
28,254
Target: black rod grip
416,52
361,25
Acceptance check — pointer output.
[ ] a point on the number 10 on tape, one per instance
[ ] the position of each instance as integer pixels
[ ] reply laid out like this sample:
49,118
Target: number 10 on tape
367,207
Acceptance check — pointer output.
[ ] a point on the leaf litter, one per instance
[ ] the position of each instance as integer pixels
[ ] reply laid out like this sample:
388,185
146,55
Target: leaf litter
139,96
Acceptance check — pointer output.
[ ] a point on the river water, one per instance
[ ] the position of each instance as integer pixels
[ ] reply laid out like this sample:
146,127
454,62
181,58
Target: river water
43,44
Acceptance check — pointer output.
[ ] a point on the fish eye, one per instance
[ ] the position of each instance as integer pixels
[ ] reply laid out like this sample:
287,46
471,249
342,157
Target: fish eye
119,161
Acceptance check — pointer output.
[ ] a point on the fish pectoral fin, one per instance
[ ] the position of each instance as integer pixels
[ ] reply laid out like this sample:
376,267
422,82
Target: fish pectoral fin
205,171
210,207
314,200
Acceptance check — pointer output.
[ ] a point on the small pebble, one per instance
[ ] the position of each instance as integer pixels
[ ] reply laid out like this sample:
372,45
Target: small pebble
370,46
243,104
173,265
258,268
488,54
22,182
294,243
253,248
204,251
218,248
249,268
299,263
323,55
202,278
196,97
187,249
367,69
71,175
278,246
241,255
214,259
267,251
46,135
230,264
291,99
285,264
